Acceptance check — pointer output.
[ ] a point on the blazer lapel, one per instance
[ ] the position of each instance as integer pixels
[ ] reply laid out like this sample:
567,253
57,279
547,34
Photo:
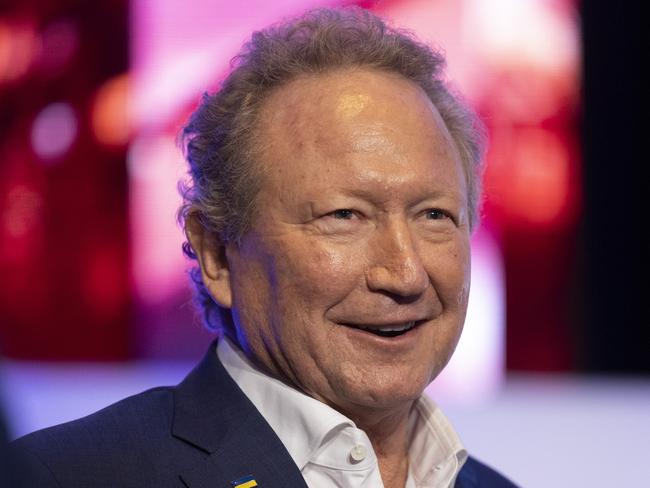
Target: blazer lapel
232,439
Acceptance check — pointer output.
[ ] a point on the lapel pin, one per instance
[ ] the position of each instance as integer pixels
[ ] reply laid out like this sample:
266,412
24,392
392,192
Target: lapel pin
245,482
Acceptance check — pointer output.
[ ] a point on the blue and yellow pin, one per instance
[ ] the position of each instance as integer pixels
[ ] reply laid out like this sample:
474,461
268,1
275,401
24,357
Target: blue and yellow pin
245,482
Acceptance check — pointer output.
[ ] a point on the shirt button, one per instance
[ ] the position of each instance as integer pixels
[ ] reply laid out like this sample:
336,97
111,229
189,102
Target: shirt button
358,453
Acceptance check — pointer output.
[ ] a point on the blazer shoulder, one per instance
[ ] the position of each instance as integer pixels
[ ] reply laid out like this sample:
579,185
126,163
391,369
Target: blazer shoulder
475,474
144,413
129,434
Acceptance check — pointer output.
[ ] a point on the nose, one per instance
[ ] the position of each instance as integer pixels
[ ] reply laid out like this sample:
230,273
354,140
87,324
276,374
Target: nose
397,268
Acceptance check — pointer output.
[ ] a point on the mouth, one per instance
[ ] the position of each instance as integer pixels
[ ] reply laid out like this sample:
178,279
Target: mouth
386,330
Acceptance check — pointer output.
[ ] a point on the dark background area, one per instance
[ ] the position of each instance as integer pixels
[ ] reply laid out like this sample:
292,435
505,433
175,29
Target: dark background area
615,329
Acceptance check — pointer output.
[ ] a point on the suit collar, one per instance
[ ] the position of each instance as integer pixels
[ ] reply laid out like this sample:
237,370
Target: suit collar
207,403
214,416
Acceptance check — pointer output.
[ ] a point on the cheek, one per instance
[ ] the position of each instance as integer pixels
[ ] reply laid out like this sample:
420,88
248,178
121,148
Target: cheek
451,275
316,274
252,291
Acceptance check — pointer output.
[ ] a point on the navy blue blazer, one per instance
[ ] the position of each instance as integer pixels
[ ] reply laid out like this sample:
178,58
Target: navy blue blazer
203,433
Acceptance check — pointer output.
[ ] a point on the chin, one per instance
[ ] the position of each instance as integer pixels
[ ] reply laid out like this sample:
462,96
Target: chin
386,395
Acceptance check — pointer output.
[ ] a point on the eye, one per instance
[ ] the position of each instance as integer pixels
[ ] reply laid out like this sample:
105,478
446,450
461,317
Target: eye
342,214
341,221
436,214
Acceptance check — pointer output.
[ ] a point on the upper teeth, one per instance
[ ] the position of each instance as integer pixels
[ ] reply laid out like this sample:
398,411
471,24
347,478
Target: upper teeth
391,327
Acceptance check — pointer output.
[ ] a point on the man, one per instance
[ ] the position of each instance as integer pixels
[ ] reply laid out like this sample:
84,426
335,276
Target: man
334,185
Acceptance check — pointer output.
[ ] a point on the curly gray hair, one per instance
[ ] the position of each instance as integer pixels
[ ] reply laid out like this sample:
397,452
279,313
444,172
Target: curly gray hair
219,140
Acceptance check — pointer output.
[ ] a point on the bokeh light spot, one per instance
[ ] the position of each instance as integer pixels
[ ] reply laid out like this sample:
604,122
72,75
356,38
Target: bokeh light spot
54,130
536,187
110,115
18,47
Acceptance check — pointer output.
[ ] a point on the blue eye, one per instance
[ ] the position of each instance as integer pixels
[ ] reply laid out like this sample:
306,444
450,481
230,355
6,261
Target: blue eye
435,214
343,214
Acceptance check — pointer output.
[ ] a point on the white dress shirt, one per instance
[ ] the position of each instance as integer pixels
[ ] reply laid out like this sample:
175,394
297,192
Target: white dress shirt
329,449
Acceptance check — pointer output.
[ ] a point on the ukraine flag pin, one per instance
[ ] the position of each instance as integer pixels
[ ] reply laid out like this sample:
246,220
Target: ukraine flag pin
245,482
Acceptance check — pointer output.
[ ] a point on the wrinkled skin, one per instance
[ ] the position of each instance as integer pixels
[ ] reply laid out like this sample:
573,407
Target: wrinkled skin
362,220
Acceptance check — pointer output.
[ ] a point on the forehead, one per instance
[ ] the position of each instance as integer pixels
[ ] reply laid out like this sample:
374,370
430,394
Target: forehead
315,123
340,99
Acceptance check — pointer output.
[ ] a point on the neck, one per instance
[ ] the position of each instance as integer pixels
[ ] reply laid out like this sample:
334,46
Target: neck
389,435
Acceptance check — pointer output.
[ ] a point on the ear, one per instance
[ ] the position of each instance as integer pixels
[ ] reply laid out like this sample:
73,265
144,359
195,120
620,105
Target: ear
211,254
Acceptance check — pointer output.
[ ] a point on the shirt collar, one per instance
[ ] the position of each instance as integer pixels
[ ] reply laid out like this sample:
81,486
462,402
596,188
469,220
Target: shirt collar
311,430
436,453
301,422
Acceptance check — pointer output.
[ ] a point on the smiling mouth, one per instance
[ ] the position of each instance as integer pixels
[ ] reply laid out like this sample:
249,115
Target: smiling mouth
388,330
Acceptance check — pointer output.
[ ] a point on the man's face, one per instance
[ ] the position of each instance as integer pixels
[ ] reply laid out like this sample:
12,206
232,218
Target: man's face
352,284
